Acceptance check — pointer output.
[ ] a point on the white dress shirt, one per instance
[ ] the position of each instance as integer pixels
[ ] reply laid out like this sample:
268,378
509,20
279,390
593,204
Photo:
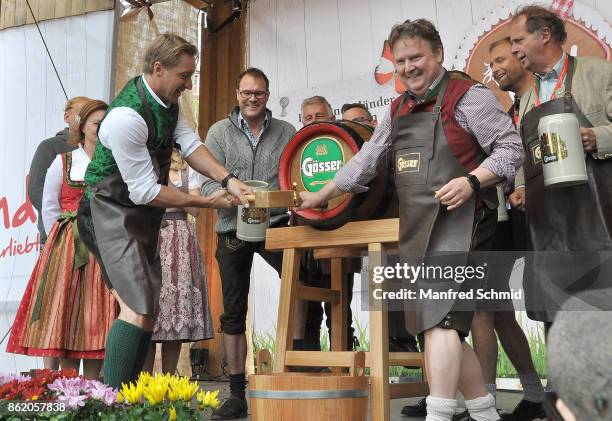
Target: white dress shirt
51,206
125,133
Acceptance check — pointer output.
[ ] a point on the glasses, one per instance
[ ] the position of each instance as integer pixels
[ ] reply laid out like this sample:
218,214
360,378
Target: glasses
362,120
249,94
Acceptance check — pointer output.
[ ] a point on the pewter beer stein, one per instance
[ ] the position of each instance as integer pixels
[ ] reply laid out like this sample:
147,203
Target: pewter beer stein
253,222
561,149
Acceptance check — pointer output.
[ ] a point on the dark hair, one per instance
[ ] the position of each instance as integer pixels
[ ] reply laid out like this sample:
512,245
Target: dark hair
499,42
420,28
256,73
539,18
350,106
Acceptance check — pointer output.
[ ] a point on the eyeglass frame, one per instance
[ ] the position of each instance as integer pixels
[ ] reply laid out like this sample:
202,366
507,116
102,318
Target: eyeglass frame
257,94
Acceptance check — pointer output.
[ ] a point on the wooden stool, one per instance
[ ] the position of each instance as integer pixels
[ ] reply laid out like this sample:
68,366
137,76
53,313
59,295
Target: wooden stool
376,237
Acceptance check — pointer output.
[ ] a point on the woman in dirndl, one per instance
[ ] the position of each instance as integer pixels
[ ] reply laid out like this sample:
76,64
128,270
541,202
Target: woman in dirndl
184,314
66,310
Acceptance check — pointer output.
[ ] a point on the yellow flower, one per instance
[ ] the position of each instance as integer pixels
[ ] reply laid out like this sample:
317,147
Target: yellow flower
131,392
173,394
155,391
209,399
143,378
187,390
120,398
172,412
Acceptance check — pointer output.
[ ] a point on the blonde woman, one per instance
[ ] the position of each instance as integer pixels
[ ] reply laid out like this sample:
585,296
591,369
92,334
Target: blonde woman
184,314
66,310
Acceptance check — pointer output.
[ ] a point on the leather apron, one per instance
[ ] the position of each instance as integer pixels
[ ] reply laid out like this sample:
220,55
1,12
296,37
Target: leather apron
568,226
423,164
125,237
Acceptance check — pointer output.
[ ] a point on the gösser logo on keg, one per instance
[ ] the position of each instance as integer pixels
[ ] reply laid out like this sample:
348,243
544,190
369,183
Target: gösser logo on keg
320,161
410,162
553,147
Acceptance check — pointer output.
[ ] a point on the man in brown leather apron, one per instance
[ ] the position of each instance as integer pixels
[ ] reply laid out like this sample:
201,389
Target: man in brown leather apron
120,215
452,143
570,227
509,244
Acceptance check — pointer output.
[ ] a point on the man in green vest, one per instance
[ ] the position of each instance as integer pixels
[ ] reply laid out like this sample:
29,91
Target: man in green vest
120,214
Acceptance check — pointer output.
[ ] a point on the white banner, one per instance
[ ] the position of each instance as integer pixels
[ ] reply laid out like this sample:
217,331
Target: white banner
32,110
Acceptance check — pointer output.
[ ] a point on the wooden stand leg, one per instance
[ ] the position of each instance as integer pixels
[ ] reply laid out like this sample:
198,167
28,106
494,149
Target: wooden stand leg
338,310
379,345
286,307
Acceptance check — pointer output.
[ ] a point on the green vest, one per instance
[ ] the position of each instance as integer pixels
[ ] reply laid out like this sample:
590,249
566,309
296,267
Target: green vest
103,163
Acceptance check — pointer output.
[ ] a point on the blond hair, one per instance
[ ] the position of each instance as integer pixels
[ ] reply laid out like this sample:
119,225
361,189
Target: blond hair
74,101
167,50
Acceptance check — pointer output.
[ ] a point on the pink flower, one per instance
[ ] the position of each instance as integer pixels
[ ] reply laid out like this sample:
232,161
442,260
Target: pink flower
62,384
72,399
5,378
102,392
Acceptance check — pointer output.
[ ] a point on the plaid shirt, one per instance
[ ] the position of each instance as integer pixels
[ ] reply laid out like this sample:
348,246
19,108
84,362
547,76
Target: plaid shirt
244,126
478,112
548,81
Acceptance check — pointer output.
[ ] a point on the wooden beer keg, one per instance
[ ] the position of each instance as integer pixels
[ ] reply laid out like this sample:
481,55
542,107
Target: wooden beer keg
312,158
308,396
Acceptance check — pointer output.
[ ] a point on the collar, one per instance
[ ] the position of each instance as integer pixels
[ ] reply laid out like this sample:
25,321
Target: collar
242,121
153,94
431,89
556,70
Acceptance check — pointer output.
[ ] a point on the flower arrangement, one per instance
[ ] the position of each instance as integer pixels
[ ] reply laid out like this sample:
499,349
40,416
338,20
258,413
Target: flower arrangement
158,397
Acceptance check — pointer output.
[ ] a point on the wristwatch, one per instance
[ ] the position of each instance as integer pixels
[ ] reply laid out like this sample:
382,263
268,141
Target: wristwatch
227,179
474,182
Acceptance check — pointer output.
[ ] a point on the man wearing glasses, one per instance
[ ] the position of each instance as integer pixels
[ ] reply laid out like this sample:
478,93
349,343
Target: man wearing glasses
358,113
249,143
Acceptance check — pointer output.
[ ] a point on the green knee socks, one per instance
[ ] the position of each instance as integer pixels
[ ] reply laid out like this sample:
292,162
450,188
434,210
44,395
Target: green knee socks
126,350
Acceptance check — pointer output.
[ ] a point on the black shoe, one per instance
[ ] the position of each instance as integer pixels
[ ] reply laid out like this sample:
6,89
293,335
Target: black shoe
525,411
462,416
418,410
397,344
231,409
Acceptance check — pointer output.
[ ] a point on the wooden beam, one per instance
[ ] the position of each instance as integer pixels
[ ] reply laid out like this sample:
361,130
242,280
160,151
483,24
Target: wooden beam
408,390
323,359
318,294
34,7
359,233
198,4
339,252
212,108
410,359
46,10
379,343
286,307
62,8
21,13
7,13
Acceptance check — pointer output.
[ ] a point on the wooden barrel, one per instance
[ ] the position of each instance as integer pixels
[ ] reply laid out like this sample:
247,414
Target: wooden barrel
312,158
308,396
